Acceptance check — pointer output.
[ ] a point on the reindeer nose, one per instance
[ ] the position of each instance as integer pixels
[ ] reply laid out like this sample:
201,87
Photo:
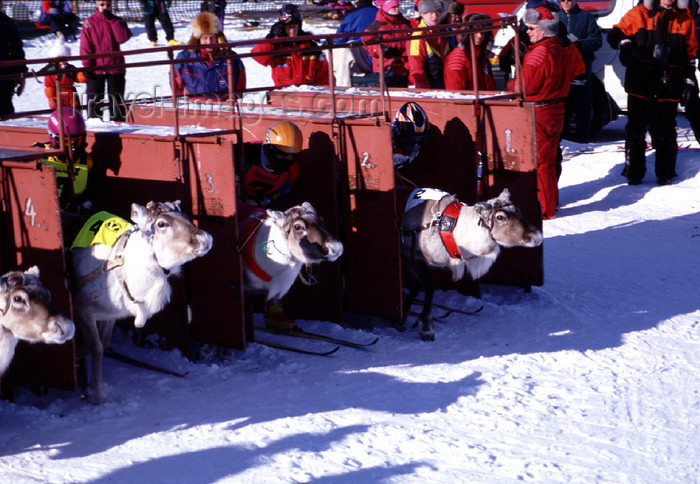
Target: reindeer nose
204,243
335,250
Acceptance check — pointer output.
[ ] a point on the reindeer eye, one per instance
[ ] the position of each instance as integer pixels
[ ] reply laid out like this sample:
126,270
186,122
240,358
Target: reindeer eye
17,299
501,217
162,224
299,227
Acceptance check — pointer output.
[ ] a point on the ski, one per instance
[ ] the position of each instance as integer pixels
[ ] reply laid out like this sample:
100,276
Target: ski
296,349
452,310
321,337
110,353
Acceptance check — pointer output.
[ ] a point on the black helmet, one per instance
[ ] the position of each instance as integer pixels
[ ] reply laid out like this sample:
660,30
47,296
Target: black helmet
409,130
290,14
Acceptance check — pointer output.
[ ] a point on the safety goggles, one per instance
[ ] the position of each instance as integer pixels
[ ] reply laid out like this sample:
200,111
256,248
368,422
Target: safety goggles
288,17
280,160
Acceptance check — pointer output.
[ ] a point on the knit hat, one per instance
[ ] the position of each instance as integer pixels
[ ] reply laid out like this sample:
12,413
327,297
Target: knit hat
205,23
59,49
387,5
426,6
543,18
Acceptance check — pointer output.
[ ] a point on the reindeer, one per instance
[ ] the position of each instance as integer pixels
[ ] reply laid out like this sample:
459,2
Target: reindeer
27,313
438,231
275,246
130,278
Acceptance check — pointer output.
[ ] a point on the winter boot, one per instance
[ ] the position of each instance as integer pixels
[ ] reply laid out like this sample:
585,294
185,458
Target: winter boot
277,319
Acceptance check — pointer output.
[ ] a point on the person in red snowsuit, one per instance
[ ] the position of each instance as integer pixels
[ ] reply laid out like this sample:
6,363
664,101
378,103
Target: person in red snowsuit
295,68
458,66
547,77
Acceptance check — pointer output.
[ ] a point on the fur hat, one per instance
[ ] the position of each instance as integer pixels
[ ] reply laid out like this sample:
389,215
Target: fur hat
60,49
456,8
205,23
543,18
680,4
387,5
426,6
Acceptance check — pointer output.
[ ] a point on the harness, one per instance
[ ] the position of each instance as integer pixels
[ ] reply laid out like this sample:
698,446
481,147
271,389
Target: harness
247,250
445,220
116,259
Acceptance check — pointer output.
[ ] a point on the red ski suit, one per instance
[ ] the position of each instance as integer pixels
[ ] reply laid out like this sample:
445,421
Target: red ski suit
547,76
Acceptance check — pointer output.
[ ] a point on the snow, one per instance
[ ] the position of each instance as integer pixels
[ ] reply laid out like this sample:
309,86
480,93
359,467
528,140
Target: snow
592,377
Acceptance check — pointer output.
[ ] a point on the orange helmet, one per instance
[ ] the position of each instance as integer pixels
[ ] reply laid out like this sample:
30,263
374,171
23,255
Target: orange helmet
284,136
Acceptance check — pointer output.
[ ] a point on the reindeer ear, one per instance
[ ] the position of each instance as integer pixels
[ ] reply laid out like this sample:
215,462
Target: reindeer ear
276,217
307,207
482,207
505,196
140,215
32,271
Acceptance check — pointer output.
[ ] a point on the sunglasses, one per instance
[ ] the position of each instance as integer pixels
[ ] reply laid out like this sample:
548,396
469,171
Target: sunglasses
104,4
531,27
565,1
289,17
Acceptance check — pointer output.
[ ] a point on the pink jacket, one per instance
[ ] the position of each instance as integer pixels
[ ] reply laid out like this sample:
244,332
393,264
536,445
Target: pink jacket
101,35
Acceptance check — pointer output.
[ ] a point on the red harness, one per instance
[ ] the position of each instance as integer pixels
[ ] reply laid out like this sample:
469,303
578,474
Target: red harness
247,232
446,228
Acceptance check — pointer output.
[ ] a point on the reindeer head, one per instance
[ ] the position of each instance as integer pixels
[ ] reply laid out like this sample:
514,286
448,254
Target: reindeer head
308,240
27,311
175,240
507,226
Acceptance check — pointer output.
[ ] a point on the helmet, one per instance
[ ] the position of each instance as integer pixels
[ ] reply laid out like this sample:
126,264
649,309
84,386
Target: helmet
290,14
282,145
73,127
409,131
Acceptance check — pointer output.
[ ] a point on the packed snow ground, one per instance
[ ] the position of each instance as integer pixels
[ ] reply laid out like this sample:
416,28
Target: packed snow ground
591,378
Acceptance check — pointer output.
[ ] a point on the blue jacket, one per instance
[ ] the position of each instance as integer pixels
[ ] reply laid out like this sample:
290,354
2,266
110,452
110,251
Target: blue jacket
200,78
583,25
356,21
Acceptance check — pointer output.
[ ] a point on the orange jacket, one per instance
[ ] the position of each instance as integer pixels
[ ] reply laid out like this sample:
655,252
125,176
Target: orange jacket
664,42
68,98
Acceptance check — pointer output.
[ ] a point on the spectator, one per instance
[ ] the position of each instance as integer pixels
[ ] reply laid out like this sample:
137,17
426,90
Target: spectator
217,7
426,56
453,15
354,60
69,96
158,9
547,77
583,30
458,68
409,132
10,49
59,17
208,77
395,66
657,43
104,32
294,68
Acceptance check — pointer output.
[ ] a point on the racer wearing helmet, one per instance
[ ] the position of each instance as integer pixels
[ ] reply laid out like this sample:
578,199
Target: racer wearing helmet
409,132
272,167
74,164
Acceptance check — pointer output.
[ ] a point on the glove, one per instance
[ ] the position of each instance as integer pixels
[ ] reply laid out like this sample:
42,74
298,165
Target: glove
20,87
688,91
628,54
391,52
